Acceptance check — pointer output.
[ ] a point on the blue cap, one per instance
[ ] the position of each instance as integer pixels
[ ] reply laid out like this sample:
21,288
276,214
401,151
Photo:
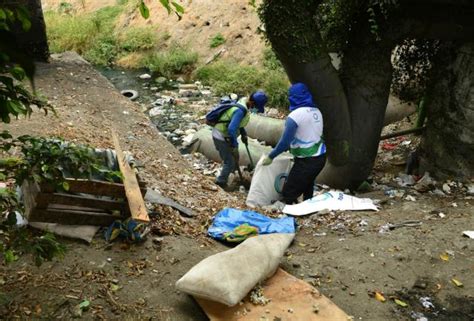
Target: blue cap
260,100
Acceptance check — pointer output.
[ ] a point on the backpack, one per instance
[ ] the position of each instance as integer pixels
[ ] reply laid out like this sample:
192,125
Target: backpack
212,117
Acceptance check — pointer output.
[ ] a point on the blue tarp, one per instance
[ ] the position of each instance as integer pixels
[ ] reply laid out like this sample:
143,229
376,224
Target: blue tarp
229,218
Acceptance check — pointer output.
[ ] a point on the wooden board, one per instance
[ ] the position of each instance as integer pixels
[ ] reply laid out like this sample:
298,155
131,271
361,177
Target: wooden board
44,199
93,187
72,217
136,203
291,300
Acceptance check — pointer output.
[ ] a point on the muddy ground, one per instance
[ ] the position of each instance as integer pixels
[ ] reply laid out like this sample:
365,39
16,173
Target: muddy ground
344,254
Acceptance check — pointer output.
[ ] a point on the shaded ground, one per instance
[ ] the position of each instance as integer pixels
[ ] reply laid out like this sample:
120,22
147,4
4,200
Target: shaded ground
125,282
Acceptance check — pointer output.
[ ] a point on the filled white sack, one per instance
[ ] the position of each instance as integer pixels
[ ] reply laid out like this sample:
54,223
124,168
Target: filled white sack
228,276
265,178
332,201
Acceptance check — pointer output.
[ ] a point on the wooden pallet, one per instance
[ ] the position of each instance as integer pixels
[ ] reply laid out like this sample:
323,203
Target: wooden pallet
86,202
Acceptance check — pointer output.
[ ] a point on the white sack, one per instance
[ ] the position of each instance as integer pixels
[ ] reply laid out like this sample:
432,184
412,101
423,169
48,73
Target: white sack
262,190
82,232
332,201
228,276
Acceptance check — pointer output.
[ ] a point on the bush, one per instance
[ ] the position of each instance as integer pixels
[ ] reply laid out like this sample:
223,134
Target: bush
174,60
229,77
91,35
270,60
217,40
137,38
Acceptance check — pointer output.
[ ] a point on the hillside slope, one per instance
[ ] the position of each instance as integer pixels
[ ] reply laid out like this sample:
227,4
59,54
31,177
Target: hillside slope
236,20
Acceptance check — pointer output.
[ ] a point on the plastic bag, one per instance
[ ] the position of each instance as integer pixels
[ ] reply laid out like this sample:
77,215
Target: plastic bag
228,276
228,219
267,181
333,201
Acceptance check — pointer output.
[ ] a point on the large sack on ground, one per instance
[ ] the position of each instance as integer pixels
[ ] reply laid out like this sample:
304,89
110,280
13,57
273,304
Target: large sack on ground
267,181
228,276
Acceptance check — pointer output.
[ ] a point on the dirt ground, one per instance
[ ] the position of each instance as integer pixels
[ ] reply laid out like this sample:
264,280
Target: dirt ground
344,254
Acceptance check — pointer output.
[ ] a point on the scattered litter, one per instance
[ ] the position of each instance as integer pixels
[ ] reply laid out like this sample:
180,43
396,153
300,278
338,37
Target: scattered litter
257,297
457,282
379,296
226,222
444,256
426,302
332,201
78,309
470,189
405,180
418,316
144,76
410,198
441,215
404,224
469,234
400,303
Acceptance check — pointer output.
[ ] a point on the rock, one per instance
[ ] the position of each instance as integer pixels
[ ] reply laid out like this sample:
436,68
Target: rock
161,80
187,86
144,76
470,189
446,188
180,80
153,88
155,111
206,92
272,112
190,131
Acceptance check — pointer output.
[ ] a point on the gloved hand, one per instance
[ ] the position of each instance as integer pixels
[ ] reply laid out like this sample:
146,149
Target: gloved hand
267,161
245,139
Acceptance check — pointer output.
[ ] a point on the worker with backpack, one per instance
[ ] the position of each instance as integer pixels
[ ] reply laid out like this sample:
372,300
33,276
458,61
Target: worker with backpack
229,119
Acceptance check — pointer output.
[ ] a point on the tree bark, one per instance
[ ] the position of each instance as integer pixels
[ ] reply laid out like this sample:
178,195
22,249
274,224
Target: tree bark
366,76
448,145
297,42
34,42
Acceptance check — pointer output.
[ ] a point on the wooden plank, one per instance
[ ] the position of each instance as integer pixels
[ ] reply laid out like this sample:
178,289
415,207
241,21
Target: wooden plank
152,196
90,187
132,189
292,299
43,199
70,217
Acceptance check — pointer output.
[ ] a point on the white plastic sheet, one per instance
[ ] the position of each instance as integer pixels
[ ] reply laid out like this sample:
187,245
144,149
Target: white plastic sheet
330,201
265,179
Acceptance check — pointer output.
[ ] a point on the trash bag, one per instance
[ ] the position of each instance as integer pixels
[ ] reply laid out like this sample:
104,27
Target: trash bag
267,181
229,222
228,276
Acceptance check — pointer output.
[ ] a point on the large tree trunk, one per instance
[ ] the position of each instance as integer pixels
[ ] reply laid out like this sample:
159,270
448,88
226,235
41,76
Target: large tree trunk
448,144
366,76
297,42
34,42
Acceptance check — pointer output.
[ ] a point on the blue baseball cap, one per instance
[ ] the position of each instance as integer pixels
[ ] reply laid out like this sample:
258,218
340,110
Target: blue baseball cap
260,99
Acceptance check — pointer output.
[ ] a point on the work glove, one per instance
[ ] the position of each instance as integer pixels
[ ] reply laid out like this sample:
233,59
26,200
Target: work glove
245,139
267,161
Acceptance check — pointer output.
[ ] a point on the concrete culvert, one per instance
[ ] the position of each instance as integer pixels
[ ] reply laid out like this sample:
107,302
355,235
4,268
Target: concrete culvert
130,94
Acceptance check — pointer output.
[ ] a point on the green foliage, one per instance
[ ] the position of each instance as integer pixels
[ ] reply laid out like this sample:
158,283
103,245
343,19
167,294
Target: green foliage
91,35
137,38
226,77
270,60
217,40
170,6
176,59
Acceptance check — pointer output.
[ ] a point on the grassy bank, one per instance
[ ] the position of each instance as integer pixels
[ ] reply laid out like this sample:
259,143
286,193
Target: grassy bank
100,39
